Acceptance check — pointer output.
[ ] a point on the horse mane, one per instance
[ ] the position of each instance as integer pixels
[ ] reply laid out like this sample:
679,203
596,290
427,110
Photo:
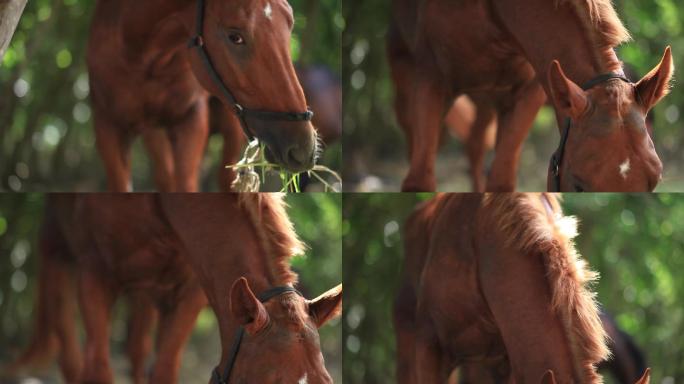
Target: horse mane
601,20
275,232
550,235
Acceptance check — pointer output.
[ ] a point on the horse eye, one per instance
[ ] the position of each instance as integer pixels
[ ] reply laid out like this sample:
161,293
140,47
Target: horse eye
236,39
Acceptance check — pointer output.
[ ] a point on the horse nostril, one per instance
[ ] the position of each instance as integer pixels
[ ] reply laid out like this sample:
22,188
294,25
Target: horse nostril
299,157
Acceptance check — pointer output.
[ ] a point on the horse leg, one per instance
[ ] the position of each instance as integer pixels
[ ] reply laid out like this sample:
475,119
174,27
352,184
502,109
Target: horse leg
428,105
419,106
96,300
114,146
143,315
175,326
475,145
515,122
189,138
160,151
429,361
224,121
404,327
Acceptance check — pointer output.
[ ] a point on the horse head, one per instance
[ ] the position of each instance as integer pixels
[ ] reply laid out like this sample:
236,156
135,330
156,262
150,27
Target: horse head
244,59
281,342
608,146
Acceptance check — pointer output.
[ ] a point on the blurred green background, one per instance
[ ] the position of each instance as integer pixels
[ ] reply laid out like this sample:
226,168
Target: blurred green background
46,134
375,151
317,220
635,241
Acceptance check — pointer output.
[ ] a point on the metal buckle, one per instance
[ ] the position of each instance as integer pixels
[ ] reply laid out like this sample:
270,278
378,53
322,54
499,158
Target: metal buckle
239,110
196,41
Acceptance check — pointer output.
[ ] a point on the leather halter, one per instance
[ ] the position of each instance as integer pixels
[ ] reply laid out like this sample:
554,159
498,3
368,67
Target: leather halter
216,377
242,113
557,157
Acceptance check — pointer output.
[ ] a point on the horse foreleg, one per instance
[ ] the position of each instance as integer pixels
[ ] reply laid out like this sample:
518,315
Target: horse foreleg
114,146
428,106
160,151
96,299
515,122
415,99
404,327
175,326
476,143
225,122
143,315
429,360
189,139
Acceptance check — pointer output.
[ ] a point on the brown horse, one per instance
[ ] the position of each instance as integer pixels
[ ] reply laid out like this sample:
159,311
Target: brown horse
495,280
146,81
513,53
153,262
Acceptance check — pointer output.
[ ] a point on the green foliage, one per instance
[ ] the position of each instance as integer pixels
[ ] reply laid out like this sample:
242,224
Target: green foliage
317,220
45,115
634,241
373,138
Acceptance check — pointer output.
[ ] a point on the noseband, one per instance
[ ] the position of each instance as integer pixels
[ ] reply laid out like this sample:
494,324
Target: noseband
242,113
216,377
557,157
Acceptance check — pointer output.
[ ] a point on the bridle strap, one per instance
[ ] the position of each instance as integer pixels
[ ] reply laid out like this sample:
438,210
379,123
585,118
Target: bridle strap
216,377
557,157
242,113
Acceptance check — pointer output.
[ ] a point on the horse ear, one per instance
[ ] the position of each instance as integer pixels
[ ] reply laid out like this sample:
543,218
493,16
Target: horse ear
247,309
326,306
567,96
646,378
548,378
656,84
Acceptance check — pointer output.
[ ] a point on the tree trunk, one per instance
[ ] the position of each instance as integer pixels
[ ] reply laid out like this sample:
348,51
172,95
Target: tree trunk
10,12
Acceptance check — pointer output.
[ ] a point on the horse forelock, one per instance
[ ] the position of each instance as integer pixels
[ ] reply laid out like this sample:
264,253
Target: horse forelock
600,18
527,225
275,232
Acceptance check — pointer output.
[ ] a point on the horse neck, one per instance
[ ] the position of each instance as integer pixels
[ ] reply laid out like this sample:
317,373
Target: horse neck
249,259
547,319
556,33
535,337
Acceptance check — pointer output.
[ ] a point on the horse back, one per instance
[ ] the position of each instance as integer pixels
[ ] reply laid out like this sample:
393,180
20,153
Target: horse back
123,237
458,43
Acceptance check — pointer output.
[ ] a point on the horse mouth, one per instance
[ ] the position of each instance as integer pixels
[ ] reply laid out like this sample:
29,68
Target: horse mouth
292,163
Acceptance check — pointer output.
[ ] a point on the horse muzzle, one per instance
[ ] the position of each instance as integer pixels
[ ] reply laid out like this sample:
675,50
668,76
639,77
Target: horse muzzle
291,144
